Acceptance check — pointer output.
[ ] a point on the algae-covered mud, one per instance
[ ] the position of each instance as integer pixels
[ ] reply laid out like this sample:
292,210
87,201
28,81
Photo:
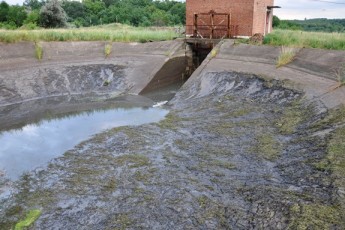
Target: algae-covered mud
235,152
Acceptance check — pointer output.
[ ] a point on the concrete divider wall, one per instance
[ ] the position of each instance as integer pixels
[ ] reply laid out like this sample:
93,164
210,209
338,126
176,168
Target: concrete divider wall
81,67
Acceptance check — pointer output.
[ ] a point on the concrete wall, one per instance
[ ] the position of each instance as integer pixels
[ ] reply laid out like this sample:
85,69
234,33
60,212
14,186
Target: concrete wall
69,68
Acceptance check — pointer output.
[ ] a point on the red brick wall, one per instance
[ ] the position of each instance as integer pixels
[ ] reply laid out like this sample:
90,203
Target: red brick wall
262,24
248,16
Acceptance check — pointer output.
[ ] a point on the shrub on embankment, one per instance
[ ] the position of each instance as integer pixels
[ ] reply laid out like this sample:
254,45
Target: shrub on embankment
301,39
121,34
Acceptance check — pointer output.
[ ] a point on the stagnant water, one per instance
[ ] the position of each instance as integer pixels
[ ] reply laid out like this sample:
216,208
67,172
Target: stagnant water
32,145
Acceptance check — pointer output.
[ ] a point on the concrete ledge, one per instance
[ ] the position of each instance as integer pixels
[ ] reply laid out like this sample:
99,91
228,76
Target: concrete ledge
323,63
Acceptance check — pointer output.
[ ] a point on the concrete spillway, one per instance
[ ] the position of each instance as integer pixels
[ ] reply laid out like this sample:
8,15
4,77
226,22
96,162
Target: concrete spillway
245,145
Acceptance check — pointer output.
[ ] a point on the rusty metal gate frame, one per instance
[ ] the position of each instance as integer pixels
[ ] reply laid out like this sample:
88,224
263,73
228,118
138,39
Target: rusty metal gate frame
212,27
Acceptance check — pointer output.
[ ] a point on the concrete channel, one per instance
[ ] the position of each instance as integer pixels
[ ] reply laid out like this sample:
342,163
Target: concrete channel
242,144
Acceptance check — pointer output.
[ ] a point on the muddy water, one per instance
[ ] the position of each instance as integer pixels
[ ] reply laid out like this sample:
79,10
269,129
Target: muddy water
32,145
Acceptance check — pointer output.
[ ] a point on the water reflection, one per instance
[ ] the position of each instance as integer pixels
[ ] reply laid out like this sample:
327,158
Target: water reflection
35,144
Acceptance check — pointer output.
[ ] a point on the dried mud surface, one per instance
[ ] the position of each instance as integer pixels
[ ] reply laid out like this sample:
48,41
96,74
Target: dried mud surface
235,152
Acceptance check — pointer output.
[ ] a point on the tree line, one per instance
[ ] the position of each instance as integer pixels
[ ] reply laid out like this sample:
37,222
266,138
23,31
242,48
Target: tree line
57,13
316,25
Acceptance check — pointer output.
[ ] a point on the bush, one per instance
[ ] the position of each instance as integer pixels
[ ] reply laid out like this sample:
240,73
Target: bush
29,26
8,25
52,15
33,17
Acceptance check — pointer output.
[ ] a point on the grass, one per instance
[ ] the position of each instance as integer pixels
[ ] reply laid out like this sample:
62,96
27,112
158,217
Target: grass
107,49
267,147
302,39
334,162
287,54
38,51
291,117
133,160
30,218
340,74
314,216
214,53
111,33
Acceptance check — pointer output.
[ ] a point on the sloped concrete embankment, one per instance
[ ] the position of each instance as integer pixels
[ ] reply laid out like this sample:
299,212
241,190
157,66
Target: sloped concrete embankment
69,68
312,70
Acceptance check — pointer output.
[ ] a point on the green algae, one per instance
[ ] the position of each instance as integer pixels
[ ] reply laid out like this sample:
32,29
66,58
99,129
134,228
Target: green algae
30,218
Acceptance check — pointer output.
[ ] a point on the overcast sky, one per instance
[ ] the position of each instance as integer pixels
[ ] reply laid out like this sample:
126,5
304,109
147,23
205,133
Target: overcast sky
294,9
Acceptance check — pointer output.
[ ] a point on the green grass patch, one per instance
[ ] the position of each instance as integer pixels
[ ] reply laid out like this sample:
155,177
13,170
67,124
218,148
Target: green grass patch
120,33
287,54
336,160
38,51
171,121
214,52
314,216
267,147
291,118
301,39
30,218
107,49
133,160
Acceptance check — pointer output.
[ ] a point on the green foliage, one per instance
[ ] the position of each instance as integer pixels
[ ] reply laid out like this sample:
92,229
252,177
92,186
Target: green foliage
287,54
276,21
314,216
267,147
107,51
38,51
33,17
300,39
136,13
55,13
30,218
16,14
316,25
52,15
4,8
110,33
75,10
11,17
8,25
33,4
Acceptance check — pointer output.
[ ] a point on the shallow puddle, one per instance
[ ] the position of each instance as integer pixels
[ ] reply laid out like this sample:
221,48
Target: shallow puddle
33,145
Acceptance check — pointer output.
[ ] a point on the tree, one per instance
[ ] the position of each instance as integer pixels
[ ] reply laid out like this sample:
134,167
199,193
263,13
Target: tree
74,10
16,14
33,17
52,15
276,21
4,8
33,4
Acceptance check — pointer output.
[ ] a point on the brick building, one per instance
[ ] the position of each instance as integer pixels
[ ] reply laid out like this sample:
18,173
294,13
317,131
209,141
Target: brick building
225,18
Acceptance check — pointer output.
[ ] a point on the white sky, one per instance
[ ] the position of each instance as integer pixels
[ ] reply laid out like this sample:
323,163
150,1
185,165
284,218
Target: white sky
293,9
